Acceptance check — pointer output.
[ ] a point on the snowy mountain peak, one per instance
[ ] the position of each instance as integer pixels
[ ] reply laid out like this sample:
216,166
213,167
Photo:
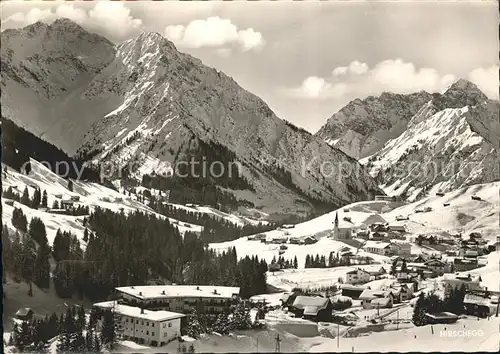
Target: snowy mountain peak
462,85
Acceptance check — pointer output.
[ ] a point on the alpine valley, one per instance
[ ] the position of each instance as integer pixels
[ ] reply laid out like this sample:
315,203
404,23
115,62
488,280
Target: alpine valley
144,107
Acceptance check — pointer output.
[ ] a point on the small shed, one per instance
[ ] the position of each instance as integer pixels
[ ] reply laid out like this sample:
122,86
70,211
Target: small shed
25,314
441,317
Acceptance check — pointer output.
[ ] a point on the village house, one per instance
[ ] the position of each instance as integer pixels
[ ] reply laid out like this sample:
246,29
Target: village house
378,236
375,271
351,291
309,240
364,234
9,202
180,298
464,264
312,307
402,249
357,276
374,219
376,299
404,290
25,314
476,305
66,204
454,281
441,318
342,230
294,240
258,237
397,228
381,248
155,328
437,267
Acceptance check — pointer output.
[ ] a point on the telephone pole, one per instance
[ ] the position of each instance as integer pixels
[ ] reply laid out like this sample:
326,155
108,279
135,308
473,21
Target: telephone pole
338,334
278,340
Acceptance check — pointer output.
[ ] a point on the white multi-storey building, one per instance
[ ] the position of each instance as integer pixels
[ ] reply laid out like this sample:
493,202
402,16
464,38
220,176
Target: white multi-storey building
144,326
180,298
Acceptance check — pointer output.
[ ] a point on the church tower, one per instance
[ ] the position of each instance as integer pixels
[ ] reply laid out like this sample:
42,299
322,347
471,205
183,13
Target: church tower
336,232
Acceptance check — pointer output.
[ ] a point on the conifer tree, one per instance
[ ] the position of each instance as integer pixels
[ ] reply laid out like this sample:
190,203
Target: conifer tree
42,266
418,317
37,199
70,185
44,199
295,263
25,198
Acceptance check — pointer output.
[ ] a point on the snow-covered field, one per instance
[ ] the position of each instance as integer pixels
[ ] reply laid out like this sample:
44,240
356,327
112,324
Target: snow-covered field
90,194
485,337
324,246
462,215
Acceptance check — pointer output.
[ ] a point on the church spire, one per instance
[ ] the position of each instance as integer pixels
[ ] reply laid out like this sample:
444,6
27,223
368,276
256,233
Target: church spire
336,219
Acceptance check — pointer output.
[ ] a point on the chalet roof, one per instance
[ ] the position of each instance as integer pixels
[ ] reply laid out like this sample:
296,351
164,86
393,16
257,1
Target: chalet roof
168,291
476,299
355,271
373,294
374,269
136,312
23,311
384,301
378,245
301,302
352,287
442,315
373,219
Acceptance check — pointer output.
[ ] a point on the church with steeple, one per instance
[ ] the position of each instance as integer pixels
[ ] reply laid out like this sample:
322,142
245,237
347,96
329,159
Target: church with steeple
341,231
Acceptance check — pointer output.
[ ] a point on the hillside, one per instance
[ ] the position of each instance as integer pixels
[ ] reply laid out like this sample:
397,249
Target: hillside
144,107
463,215
362,127
447,150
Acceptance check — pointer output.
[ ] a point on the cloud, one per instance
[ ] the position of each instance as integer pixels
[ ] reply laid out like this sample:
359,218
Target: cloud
314,87
111,19
354,68
213,32
358,80
487,80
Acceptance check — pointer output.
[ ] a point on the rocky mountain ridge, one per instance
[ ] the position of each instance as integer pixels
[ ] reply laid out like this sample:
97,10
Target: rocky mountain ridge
144,106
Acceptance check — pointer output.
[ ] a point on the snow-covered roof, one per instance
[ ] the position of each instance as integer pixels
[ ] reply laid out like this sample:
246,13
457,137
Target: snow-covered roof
373,219
372,294
383,301
23,311
137,312
167,291
374,244
476,299
301,302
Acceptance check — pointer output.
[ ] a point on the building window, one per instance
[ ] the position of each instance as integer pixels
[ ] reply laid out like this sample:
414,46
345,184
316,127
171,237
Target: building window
170,324
142,323
164,325
165,334
136,321
152,324
152,334
147,332
147,323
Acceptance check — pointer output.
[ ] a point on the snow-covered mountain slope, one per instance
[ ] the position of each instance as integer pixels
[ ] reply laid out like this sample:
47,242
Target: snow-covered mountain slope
45,69
145,106
90,194
364,126
446,150
462,215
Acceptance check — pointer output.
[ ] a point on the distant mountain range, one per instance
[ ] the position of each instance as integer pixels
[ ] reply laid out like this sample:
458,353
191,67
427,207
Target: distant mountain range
144,106
421,141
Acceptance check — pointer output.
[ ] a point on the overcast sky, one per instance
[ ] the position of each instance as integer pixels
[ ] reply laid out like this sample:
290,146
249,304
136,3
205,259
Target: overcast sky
307,59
